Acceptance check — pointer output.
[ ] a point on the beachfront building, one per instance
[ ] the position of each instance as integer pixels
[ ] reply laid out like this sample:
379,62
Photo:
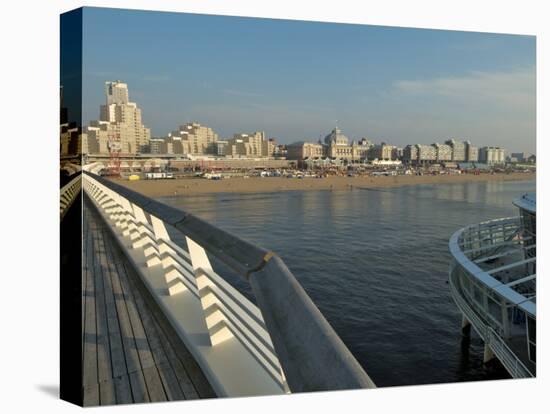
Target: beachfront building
157,146
337,146
121,122
397,153
195,139
444,152
336,138
451,151
492,155
99,134
381,151
518,156
84,142
269,147
64,137
410,154
426,153
361,149
221,147
304,150
472,152
71,140
415,154
280,150
458,149
249,145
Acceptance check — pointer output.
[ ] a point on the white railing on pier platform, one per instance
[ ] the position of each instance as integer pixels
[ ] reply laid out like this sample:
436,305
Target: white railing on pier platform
491,303
68,194
502,351
241,354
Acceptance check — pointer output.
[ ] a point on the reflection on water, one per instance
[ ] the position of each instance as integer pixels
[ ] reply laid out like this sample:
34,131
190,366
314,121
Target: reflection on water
375,262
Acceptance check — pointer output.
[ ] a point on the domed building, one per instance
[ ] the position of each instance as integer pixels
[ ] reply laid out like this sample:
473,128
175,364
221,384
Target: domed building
338,146
336,137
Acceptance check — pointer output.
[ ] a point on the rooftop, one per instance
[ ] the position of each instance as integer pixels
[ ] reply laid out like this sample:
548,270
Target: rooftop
527,202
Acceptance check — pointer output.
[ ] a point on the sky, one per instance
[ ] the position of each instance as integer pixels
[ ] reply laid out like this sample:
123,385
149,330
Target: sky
296,80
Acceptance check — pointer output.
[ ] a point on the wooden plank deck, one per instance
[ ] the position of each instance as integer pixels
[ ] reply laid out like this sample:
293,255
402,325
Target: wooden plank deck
130,351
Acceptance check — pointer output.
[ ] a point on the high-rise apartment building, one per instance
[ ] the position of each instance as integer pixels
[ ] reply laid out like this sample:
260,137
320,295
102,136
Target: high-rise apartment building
268,147
157,146
492,155
458,150
410,154
221,147
472,152
196,139
249,145
444,152
121,122
426,153
116,93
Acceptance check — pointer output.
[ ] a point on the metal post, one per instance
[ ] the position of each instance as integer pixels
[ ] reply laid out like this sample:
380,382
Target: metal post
466,327
173,277
216,321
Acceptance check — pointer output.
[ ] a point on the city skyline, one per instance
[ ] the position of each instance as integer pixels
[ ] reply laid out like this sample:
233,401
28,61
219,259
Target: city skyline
296,80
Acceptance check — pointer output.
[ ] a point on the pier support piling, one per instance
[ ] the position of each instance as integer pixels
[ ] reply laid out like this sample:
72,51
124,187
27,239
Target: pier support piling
466,327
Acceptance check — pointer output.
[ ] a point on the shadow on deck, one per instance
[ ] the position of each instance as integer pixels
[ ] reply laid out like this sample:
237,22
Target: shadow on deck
131,354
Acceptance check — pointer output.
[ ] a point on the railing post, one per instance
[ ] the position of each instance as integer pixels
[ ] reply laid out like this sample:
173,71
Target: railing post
112,206
505,319
173,277
146,240
126,216
216,322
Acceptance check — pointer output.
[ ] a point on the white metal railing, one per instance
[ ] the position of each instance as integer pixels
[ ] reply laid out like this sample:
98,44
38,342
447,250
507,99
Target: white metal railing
476,239
227,313
502,351
471,243
68,194
487,302
219,325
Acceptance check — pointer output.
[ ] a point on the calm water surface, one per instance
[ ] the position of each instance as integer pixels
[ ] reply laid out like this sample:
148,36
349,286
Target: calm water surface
375,263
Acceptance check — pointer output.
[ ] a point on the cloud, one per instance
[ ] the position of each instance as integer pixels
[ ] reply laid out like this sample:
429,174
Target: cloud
489,108
505,90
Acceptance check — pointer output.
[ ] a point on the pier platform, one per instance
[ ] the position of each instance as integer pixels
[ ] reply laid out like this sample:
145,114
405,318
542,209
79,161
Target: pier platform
131,353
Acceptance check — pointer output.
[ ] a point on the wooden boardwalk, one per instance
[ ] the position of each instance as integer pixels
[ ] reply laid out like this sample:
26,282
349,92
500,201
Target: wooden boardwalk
130,352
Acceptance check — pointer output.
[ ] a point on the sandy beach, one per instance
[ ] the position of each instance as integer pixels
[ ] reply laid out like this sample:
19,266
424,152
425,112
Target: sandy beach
159,188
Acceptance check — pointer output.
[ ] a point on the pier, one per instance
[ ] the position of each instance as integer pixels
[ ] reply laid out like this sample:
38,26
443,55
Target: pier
492,279
159,323
130,352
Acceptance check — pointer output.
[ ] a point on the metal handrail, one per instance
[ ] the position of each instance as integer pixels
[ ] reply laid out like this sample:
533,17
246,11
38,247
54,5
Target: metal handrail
68,194
509,359
456,247
312,355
